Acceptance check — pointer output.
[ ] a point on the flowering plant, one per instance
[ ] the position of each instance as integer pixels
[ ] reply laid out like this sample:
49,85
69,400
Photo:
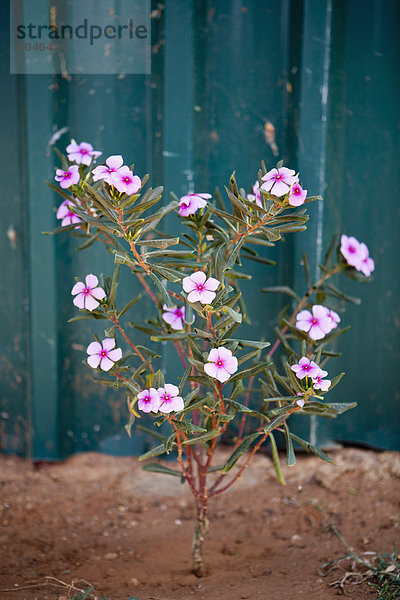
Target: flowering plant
194,283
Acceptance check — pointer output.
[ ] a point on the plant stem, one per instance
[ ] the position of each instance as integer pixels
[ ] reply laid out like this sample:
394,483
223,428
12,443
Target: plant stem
200,530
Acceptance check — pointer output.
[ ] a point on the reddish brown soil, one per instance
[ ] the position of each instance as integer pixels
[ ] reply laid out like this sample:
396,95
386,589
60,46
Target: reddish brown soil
128,533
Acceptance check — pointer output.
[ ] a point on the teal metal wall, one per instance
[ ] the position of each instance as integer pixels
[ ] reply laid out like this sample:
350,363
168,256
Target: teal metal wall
326,74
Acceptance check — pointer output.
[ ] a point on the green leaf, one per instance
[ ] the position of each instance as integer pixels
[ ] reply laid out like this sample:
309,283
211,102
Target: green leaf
219,262
130,423
165,296
335,381
238,388
188,428
275,460
250,371
158,379
274,423
151,453
290,455
310,448
240,450
250,343
150,431
234,255
281,289
161,244
244,409
114,284
156,468
236,316
201,439
129,305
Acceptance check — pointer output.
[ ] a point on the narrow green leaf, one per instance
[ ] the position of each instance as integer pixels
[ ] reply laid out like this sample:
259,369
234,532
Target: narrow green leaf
151,453
310,448
129,305
240,450
202,438
290,455
281,289
156,468
275,460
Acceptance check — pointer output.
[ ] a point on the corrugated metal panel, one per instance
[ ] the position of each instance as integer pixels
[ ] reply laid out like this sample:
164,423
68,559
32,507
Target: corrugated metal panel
326,76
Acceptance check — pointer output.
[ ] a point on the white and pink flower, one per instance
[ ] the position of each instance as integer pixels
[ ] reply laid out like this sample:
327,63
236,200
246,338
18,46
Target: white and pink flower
103,354
256,195
88,294
82,153
279,181
191,203
69,177
175,316
306,368
109,171
356,254
316,323
65,213
170,399
334,317
149,400
322,384
297,195
221,364
126,182
199,288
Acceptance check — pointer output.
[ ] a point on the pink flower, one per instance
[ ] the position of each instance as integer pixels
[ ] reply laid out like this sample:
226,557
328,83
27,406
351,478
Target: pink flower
67,178
306,368
300,402
356,254
297,195
103,354
317,324
149,400
170,401
221,364
367,263
256,195
350,247
199,288
334,317
174,316
81,153
65,213
109,171
126,182
87,294
190,203
278,181
321,384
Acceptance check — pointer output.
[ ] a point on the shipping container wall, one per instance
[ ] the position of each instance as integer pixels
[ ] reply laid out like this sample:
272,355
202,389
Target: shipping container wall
314,83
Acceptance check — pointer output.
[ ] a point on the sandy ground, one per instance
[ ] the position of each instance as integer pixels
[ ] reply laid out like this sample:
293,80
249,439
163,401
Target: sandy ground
127,533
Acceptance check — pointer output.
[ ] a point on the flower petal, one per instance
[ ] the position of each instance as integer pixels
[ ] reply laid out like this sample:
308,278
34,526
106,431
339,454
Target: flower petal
106,364
212,284
94,361
94,348
171,389
188,285
195,296
91,281
79,301
198,277
115,161
78,287
115,355
211,369
98,293
206,297
108,343
90,302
